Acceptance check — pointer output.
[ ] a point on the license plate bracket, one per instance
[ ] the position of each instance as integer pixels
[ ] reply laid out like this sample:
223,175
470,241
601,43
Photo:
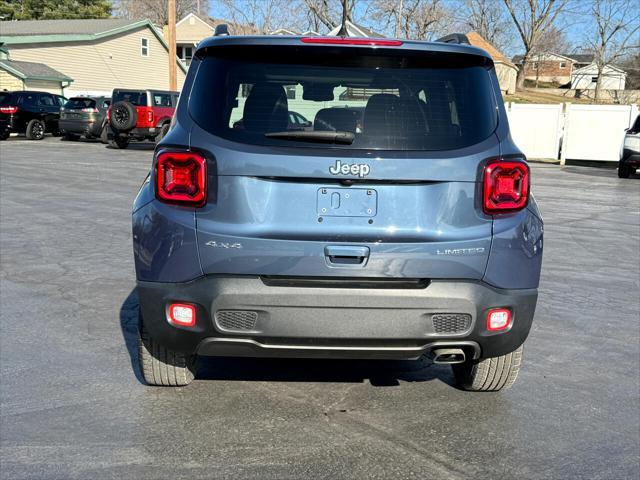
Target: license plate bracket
347,202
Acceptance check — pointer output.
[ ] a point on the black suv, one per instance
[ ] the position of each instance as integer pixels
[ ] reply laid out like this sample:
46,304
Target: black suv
30,113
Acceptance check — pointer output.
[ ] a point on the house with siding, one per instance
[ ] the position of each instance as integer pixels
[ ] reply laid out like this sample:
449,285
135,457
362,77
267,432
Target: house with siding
15,75
97,55
506,71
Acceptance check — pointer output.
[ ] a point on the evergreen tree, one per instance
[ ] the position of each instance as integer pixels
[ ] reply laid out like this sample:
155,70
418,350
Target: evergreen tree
54,9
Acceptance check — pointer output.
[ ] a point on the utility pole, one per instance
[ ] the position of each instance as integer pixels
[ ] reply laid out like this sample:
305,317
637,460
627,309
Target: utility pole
173,81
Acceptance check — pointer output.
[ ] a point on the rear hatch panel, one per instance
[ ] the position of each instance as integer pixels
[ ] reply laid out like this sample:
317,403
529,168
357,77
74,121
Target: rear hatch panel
285,209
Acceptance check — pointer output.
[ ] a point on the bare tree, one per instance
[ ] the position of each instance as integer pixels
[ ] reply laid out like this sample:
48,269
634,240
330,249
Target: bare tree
554,41
533,18
488,19
615,35
156,10
328,13
415,19
259,16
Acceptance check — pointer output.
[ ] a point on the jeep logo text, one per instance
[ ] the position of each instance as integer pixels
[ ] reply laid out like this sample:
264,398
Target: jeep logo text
359,169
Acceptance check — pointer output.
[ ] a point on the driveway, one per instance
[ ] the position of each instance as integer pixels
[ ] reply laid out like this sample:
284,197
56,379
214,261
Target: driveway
72,404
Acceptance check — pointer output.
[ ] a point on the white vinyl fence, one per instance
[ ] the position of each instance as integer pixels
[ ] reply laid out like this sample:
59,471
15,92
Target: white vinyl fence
570,131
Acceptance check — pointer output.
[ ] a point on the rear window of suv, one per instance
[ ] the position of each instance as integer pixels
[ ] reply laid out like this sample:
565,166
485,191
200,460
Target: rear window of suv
78,103
139,99
400,100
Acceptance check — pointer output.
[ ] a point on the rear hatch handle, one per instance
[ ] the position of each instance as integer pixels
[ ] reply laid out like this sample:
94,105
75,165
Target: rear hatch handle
346,255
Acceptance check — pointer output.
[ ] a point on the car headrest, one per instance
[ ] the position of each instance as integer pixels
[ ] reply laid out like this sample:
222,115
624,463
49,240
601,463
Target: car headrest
337,119
266,109
382,115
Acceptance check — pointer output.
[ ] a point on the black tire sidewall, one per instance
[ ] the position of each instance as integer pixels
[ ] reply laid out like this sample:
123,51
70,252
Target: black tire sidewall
132,116
30,127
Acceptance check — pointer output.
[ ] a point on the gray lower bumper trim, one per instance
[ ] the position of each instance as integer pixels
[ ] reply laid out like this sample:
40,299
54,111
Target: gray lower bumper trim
250,348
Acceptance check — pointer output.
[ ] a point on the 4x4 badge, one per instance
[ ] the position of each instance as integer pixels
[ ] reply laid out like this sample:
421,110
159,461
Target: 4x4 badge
359,169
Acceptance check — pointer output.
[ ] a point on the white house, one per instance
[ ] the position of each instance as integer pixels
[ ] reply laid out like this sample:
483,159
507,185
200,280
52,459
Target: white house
585,78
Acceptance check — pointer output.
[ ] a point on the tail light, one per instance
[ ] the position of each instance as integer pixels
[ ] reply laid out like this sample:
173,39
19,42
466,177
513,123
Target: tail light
505,186
108,114
90,110
150,116
181,178
9,110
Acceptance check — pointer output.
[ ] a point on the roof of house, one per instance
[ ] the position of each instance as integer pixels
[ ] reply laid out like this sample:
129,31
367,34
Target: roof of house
33,71
581,57
577,58
355,30
85,30
63,27
587,69
477,40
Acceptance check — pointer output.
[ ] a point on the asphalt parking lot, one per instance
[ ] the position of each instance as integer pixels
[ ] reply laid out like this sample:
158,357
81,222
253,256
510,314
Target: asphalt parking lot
72,404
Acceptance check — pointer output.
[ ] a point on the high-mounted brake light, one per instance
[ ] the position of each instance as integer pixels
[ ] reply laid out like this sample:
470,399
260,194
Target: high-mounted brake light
505,186
182,315
498,319
10,110
378,42
181,177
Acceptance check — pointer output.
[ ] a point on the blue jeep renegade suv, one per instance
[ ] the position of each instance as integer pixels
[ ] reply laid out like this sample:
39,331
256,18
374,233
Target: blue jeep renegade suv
397,222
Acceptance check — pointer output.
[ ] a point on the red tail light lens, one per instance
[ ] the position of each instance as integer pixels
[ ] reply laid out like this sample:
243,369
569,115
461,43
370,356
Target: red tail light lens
379,42
9,110
150,116
181,177
505,186
108,114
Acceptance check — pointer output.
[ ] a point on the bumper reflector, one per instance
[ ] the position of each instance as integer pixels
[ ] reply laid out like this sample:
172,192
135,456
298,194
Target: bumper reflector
182,315
498,319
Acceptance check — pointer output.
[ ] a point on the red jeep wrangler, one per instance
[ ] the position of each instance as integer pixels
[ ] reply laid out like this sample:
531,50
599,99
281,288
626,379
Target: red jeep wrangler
139,115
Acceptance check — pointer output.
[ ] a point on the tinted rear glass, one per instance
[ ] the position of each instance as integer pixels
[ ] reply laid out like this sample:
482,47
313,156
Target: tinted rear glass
78,103
386,100
139,99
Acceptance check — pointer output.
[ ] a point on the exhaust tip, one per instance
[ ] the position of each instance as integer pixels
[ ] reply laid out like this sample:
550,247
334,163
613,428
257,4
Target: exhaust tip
448,356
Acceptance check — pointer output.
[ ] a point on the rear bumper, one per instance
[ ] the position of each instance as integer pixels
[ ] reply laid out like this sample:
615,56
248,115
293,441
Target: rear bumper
631,158
81,127
136,133
332,322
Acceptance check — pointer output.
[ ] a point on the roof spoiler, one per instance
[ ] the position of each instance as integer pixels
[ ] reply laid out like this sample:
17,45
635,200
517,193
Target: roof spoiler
221,30
456,38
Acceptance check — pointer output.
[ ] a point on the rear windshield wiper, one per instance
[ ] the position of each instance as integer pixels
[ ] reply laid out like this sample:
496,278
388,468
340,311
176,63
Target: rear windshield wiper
345,138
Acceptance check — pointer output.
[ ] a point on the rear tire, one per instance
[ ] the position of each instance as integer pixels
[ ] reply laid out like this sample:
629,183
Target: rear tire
4,135
624,170
35,130
104,138
119,142
161,366
163,132
489,374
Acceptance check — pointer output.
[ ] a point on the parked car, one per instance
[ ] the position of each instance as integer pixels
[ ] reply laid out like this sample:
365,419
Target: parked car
630,152
85,116
139,115
30,113
297,121
412,233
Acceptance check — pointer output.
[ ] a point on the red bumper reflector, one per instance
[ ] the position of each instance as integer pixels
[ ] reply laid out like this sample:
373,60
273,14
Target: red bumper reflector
498,319
377,42
182,315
